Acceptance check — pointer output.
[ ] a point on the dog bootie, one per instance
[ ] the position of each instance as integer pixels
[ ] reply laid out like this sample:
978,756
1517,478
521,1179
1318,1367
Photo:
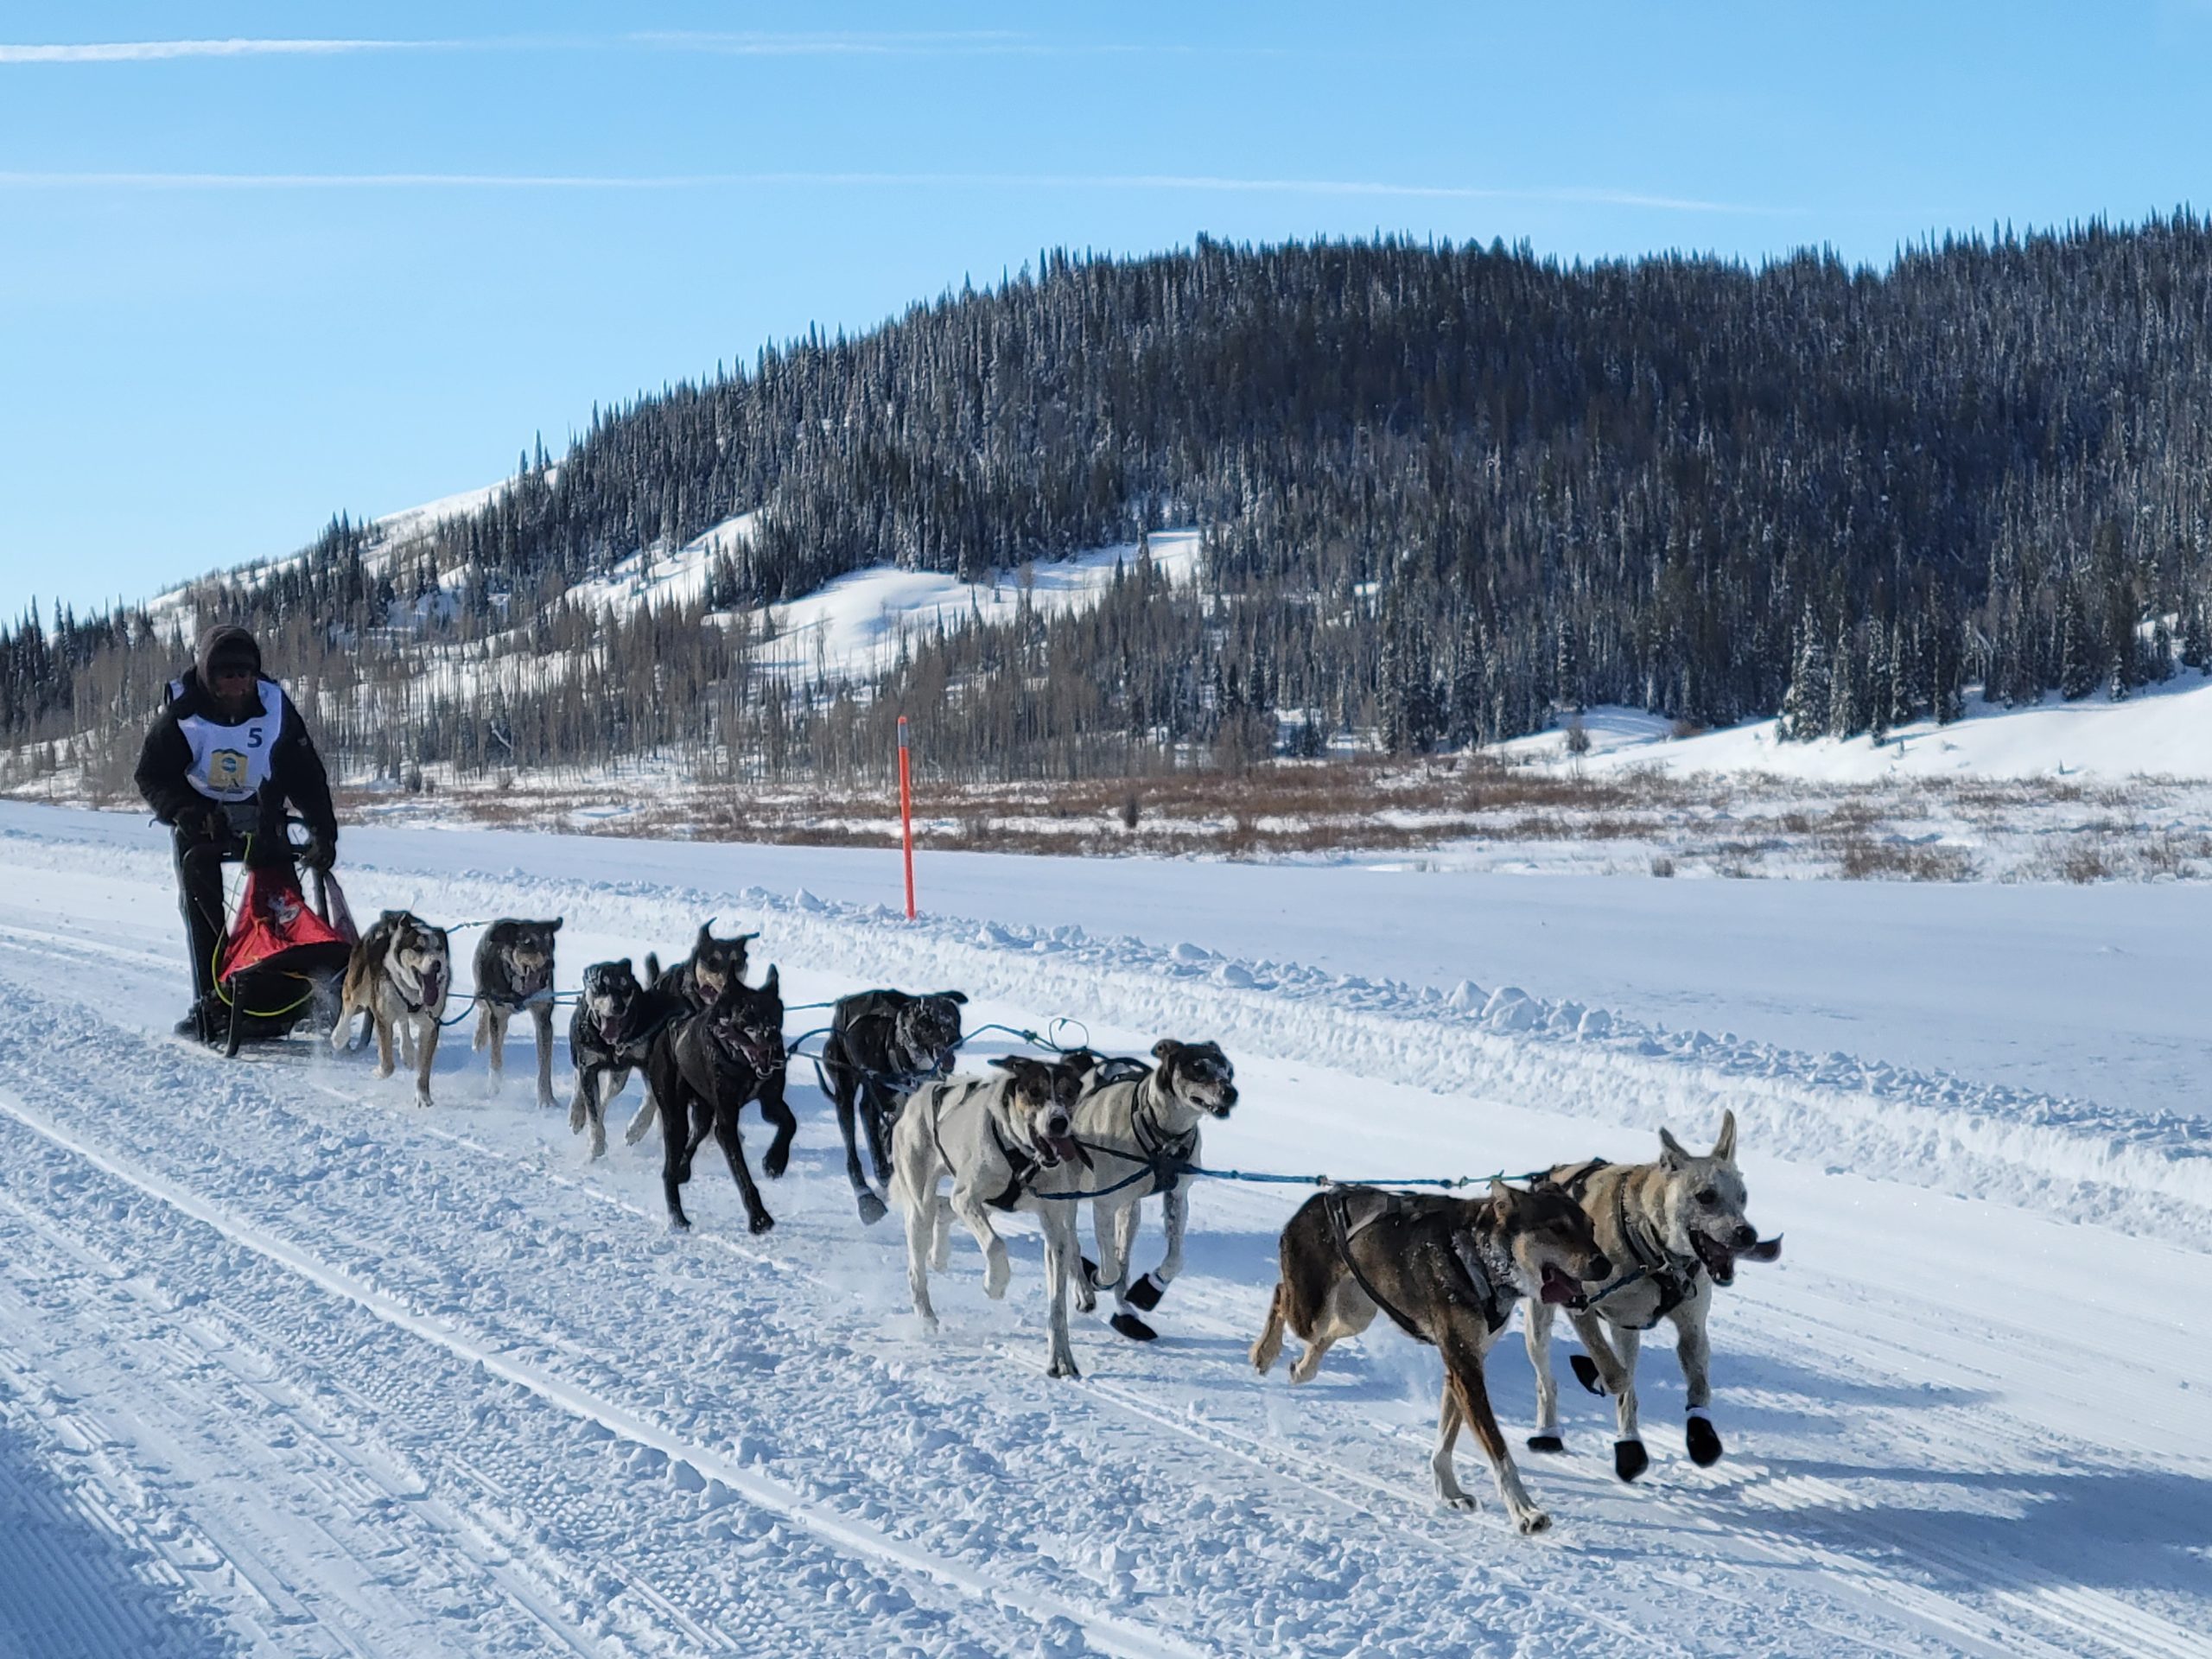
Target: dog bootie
1545,1443
1703,1440
1585,1372
1146,1293
1629,1458
1132,1327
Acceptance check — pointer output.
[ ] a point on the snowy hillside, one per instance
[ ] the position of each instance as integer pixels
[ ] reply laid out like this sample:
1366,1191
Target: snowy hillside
2159,731
290,1367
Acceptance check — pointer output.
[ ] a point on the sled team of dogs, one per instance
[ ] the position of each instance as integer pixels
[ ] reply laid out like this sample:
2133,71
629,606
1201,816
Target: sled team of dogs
1619,1246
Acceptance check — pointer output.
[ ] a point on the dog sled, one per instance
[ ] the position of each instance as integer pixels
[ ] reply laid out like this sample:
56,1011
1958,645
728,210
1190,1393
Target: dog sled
281,962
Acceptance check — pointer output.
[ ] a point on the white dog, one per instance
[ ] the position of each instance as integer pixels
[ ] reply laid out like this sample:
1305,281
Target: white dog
1138,1133
1005,1141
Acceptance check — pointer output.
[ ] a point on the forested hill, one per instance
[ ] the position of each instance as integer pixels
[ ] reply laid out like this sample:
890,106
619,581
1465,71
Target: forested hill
1445,490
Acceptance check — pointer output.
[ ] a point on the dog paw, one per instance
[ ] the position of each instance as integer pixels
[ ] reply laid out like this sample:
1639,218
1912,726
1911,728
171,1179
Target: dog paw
760,1222
774,1163
996,1274
679,1225
1134,1329
1586,1372
1629,1458
383,1071
871,1209
577,1118
546,1102
1146,1293
423,1099
1063,1368
1532,1521
1704,1442
1455,1501
1545,1443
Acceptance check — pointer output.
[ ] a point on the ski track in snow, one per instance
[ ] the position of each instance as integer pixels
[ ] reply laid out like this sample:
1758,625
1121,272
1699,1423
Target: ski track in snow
289,1366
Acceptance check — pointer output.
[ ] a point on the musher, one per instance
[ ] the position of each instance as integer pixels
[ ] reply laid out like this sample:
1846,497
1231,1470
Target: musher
225,755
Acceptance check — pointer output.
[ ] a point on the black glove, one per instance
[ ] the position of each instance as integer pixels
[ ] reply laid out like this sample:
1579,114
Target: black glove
320,852
203,820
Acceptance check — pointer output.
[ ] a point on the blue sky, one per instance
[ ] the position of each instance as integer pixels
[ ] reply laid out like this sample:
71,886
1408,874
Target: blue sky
244,287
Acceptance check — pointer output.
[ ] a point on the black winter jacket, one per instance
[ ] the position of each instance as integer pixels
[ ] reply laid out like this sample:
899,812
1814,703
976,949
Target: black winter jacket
295,773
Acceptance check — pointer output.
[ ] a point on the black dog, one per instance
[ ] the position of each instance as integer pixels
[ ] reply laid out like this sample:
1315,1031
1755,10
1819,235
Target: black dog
701,1070
883,1046
610,1035
699,978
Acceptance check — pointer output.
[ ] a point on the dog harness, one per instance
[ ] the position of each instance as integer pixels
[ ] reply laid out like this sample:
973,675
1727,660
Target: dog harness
1021,1165
1164,1158
1675,1278
230,758
1336,1202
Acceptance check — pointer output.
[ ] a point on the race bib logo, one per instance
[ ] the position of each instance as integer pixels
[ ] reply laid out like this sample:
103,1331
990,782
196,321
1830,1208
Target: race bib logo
227,769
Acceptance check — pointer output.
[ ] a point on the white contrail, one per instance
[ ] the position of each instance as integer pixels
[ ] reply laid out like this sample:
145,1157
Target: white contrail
153,51
1570,195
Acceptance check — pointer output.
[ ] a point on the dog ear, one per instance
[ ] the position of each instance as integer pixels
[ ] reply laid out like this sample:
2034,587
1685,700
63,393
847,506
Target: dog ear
705,938
961,997
553,926
1672,1154
744,939
771,985
1725,1147
1006,1062
1165,1047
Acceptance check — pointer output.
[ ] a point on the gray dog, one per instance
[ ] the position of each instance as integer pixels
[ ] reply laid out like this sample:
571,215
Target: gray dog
1677,1226
514,975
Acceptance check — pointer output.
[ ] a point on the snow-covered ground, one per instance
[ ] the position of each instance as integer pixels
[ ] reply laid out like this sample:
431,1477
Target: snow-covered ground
2157,731
290,1367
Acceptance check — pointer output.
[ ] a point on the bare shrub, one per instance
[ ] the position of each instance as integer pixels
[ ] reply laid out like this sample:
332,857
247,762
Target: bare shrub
1577,737
1662,865
1859,858
1129,811
2083,864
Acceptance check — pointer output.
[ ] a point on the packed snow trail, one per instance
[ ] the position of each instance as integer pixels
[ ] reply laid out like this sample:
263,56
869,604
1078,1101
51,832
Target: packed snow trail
336,1375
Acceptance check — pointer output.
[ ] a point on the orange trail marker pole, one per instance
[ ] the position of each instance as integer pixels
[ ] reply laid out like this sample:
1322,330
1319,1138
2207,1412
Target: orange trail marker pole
906,814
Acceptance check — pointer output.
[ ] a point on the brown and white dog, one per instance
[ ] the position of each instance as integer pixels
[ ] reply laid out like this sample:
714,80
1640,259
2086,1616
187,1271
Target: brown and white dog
1447,1271
514,976
1675,1229
1007,1142
398,976
1139,1132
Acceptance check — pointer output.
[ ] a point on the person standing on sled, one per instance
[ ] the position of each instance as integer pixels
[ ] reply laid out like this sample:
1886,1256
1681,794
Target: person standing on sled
225,754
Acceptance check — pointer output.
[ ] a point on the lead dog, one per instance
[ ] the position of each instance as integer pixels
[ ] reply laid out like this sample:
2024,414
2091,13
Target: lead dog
609,1036
1677,1226
881,1047
1447,1271
703,1068
1006,1142
398,975
514,975
1142,1131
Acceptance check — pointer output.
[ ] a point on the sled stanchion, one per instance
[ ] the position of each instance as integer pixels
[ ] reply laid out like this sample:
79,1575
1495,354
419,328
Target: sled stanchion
906,814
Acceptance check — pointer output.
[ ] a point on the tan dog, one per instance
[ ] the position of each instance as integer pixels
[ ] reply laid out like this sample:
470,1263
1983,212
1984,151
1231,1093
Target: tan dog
1447,1271
1675,1229
398,975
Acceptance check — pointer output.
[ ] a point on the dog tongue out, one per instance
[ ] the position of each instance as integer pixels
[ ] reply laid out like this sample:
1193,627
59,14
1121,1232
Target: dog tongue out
1559,1289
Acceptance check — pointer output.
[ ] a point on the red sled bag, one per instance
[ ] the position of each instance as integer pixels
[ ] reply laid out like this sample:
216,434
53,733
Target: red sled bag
278,934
